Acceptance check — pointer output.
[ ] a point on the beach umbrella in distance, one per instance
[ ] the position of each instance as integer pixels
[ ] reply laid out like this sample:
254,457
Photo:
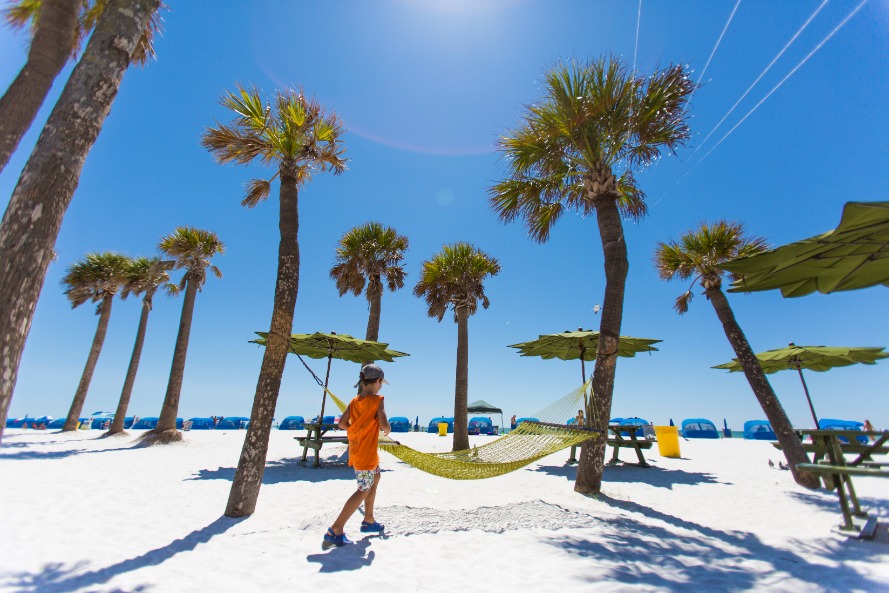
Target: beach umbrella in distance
813,358
333,345
672,423
581,344
726,431
853,255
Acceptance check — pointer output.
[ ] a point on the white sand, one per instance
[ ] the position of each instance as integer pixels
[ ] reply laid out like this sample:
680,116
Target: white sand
79,513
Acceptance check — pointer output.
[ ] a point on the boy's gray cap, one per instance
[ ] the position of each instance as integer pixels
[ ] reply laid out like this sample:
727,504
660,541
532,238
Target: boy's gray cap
370,372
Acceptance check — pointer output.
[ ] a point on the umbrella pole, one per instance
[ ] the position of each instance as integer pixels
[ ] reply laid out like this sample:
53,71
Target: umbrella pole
324,394
809,399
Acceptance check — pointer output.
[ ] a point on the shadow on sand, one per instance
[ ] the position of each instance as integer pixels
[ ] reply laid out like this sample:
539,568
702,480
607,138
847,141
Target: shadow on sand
629,472
290,469
669,557
352,557
57,578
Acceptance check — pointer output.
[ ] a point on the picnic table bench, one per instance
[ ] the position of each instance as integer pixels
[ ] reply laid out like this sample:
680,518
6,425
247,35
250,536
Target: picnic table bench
848,445
837,472
316,437
617,440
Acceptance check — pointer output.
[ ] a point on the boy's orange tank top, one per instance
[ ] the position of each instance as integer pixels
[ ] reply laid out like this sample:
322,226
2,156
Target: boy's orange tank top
364,432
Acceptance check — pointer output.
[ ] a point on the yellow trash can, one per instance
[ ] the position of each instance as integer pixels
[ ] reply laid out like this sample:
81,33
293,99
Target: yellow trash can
667,440
442,429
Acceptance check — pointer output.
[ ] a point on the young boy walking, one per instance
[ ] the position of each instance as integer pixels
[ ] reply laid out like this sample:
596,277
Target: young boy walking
363,420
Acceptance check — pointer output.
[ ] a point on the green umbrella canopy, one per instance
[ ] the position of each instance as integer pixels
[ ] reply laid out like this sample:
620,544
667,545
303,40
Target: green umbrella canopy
853,255
813,358
581,344
482,407
334,345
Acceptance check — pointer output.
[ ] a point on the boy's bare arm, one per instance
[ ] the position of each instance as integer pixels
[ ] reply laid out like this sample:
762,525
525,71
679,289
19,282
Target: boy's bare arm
383,419
344,419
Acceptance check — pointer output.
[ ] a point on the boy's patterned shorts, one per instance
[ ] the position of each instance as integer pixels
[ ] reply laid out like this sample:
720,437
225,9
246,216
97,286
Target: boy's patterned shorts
366,478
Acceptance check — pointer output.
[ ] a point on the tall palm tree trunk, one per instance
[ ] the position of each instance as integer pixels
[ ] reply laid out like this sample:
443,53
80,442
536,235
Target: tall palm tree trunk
461,391
124,402
373,317
165,431
34,215
248,477
614,248
50,48
790,442
91,360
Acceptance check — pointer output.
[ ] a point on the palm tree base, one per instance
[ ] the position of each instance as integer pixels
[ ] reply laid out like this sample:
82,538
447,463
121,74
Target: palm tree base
163,437
119,433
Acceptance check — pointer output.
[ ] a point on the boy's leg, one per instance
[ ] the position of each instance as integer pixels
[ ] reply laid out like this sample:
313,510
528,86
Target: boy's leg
348,510
369,501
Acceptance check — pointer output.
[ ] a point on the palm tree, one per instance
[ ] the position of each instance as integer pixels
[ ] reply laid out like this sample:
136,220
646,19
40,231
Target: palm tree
367,254
699,255
35,211
577,149
96,279
299,139
57,28
453,279
191,249
143,276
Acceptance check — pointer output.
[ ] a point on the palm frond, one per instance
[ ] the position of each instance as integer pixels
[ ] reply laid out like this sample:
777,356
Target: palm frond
257,191
682,302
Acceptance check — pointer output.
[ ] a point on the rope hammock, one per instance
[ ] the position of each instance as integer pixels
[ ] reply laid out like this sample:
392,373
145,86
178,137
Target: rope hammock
527,443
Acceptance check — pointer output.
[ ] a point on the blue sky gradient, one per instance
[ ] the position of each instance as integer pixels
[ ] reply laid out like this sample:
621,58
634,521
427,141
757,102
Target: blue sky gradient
424,90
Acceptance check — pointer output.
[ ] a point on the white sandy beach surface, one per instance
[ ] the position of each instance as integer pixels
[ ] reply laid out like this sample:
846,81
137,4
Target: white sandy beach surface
80,513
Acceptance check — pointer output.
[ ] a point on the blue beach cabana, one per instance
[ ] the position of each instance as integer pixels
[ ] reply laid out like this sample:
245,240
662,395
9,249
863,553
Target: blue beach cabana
480,425
631,421
399,424
759,430
146,423
201,423
835,424
699,428
231,422
293,423
433,424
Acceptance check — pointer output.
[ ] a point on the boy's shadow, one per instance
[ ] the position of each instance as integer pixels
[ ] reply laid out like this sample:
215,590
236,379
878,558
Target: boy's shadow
352,557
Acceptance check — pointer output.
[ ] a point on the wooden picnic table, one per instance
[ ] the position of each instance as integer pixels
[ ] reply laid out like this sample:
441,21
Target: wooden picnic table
617,440
315,438
837,471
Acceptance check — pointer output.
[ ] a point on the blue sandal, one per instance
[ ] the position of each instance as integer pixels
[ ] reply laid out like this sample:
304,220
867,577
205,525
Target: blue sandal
371,527
331,539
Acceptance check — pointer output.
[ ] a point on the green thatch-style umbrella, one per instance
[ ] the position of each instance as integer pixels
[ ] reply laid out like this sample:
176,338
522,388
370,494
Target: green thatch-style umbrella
813,358
853,255
582,344
334,345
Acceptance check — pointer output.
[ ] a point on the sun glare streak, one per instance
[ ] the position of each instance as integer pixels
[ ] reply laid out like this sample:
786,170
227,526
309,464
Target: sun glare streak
758,78
718,41
636,47
783,80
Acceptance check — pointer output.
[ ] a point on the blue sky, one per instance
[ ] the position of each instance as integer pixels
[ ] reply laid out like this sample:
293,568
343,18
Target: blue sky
424,90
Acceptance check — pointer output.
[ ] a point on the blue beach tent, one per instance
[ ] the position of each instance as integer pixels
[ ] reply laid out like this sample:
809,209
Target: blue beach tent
528,419
834,424
699,428
759,430
231,422
201,423
433,424
631,421
292,423
399,424
480,425
146,423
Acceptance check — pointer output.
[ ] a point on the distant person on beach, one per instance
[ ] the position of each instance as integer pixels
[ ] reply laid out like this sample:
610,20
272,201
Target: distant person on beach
363,420
868,427
579,418
512,423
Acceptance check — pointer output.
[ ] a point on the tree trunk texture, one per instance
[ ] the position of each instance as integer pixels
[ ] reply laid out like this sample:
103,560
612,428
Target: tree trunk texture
165,431
124,402
373,317
461,390
244,494
34,215
762,389
91,360
49,52
592,453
